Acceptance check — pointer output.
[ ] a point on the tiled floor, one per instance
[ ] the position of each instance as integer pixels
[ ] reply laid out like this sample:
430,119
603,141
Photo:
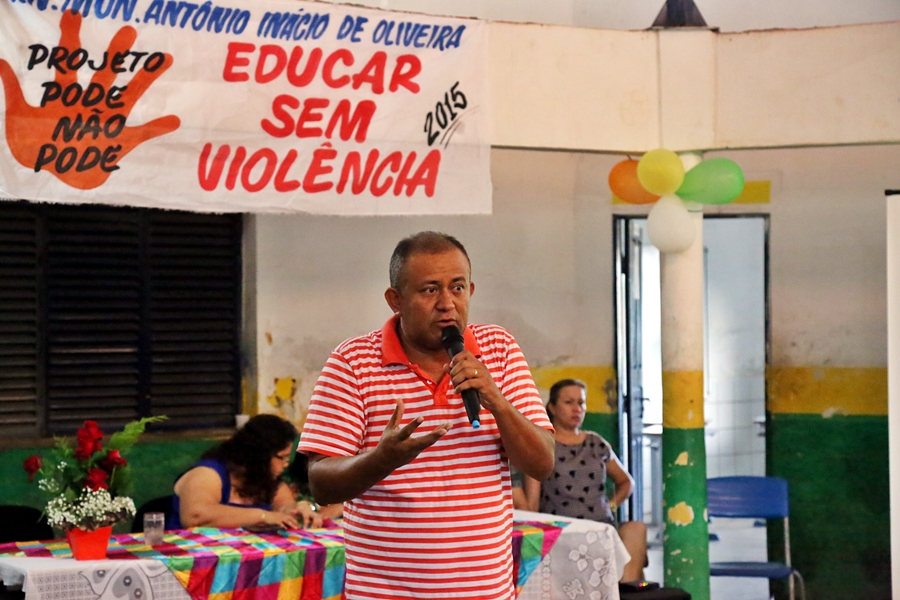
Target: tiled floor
738,540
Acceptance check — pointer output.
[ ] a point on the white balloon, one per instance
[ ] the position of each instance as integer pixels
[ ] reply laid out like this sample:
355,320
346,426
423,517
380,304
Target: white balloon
669,225
690,159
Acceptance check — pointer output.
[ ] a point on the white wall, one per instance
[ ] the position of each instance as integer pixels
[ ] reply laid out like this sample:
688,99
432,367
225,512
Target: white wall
543,259
541,267
560,87
542,263
820,86
590,89
827,248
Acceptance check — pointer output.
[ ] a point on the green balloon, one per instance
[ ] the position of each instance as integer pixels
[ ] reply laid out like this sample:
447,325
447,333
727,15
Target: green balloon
713,181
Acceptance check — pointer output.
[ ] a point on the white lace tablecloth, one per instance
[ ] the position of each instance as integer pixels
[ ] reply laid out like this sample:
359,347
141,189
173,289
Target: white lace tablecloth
69,579
585,563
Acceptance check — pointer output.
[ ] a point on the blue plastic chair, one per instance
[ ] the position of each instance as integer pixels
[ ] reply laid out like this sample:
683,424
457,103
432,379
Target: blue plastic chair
753,498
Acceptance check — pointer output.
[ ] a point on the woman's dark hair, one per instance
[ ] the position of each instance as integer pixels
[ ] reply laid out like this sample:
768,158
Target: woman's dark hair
557,387
248,455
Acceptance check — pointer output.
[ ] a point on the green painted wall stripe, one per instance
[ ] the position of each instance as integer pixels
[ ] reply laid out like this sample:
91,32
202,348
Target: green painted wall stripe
837,472
686,536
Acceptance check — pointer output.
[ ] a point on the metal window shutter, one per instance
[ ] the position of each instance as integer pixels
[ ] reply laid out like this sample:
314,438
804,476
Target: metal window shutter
20,415
194,313
92,270
113,313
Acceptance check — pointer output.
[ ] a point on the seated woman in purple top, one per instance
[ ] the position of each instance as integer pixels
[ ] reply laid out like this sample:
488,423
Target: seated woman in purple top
238,483
577,487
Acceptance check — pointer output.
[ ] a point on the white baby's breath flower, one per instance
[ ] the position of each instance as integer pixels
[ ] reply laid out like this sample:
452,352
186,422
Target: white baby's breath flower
90,510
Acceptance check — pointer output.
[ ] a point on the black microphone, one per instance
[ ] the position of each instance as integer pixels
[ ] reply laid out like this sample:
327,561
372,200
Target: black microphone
452,341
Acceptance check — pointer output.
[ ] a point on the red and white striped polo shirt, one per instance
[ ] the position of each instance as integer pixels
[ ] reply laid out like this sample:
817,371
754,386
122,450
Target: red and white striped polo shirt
439,527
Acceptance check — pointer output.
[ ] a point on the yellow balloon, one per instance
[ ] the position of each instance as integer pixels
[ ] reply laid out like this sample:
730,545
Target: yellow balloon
660,171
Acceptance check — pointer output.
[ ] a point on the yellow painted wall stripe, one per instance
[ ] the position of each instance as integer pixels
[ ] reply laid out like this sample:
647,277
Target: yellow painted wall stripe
602,396
683,399
755,192
828,391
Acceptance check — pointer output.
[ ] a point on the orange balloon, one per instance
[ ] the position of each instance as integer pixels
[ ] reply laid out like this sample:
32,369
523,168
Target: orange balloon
624,183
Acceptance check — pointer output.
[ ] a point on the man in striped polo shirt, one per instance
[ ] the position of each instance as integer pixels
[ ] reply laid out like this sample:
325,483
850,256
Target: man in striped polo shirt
430,515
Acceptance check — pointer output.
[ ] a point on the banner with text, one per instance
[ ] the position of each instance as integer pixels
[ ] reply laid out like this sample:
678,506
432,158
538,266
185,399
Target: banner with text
263,106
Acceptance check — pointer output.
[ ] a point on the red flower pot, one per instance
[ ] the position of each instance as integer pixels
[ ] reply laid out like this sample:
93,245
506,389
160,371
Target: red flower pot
89,545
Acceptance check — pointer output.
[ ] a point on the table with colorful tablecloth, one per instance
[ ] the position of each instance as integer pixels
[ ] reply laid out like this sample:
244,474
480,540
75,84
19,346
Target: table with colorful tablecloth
219,564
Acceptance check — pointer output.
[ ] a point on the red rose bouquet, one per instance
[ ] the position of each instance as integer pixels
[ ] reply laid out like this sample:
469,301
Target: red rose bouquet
87,483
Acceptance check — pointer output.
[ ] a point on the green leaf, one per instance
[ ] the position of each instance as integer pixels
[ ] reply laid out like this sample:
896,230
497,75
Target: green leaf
63,448
126,438
120,481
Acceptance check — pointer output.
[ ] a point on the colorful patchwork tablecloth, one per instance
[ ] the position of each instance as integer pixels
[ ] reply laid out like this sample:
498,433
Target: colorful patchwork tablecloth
234,564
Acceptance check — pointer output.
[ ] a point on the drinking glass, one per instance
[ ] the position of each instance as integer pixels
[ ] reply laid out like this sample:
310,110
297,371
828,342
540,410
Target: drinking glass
154,523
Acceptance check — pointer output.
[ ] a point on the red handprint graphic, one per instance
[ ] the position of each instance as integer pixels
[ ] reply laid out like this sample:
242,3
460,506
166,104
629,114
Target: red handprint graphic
78,133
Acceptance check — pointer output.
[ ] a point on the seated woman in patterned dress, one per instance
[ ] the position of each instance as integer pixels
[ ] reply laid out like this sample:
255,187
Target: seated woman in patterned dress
577,487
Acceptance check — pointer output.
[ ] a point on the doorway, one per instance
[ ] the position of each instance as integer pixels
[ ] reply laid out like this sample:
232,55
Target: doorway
735,352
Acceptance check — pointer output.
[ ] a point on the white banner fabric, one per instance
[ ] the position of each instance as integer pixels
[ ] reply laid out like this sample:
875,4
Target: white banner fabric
263,106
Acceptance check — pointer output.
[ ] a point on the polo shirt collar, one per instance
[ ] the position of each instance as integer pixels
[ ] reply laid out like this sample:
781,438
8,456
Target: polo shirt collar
392,350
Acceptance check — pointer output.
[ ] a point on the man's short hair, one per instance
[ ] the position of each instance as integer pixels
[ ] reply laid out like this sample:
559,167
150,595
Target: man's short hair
424,242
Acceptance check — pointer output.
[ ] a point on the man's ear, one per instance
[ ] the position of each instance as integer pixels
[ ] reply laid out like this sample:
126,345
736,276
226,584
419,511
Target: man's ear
392,296
471,288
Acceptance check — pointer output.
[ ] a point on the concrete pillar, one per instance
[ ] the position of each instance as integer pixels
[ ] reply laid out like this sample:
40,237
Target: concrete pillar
686,533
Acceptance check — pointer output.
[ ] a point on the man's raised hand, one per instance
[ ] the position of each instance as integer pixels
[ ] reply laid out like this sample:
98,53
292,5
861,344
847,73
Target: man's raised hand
398,447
